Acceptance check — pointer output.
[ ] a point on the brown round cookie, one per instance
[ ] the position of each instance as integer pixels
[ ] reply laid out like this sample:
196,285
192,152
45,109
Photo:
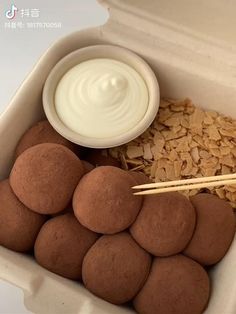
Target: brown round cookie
44,177
97,158
103,201
214,231
41,132
140,177
62,244
115,268
87,166
165,223
19,225
175,285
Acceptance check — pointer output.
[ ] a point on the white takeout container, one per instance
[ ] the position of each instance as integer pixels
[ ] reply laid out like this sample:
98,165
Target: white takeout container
192,46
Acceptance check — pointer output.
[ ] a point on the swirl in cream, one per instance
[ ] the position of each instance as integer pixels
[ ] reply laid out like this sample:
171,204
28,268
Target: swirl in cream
101,98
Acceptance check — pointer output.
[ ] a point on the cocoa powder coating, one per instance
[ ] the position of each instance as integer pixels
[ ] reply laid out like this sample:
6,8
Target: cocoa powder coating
103,200
39,133
19,225
165,223
214,231
115,268
176,285
62,244
44,177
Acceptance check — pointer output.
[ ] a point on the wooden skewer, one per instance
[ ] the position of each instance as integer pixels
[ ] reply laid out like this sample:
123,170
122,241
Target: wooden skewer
186,187
185,181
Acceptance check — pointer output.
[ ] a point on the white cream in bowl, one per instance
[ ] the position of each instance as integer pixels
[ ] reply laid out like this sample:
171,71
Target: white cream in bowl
101,97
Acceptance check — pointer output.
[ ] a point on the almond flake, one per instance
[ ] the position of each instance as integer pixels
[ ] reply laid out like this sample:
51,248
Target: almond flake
159,144
147,151
196,118
215,152
177,167
204,154
160,175
183,145
134,151
170,173
225,170
208,172
153,169
213,133
173,155
220,192
195,154
173,121
208,120
177,108
164,114
227,161
231,188
228,133
156,152
225,150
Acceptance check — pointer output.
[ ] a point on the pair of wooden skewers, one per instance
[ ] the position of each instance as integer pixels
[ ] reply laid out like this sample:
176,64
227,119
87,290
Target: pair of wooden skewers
188,184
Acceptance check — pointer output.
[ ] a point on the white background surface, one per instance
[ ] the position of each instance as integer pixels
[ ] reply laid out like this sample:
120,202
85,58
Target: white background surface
20,49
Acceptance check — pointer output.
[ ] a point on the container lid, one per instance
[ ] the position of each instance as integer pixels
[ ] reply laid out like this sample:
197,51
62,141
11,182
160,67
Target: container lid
212,21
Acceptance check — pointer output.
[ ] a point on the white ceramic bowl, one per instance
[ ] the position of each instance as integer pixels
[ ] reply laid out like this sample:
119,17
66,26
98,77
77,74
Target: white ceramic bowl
92,52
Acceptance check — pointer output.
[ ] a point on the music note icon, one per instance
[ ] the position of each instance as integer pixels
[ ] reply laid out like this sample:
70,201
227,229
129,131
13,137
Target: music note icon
10,14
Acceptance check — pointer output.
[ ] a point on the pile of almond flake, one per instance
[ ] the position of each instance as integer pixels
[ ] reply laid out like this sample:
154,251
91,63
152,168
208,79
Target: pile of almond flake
183,142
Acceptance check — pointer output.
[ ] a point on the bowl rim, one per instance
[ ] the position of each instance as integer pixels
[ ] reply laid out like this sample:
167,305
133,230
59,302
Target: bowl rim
101,51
